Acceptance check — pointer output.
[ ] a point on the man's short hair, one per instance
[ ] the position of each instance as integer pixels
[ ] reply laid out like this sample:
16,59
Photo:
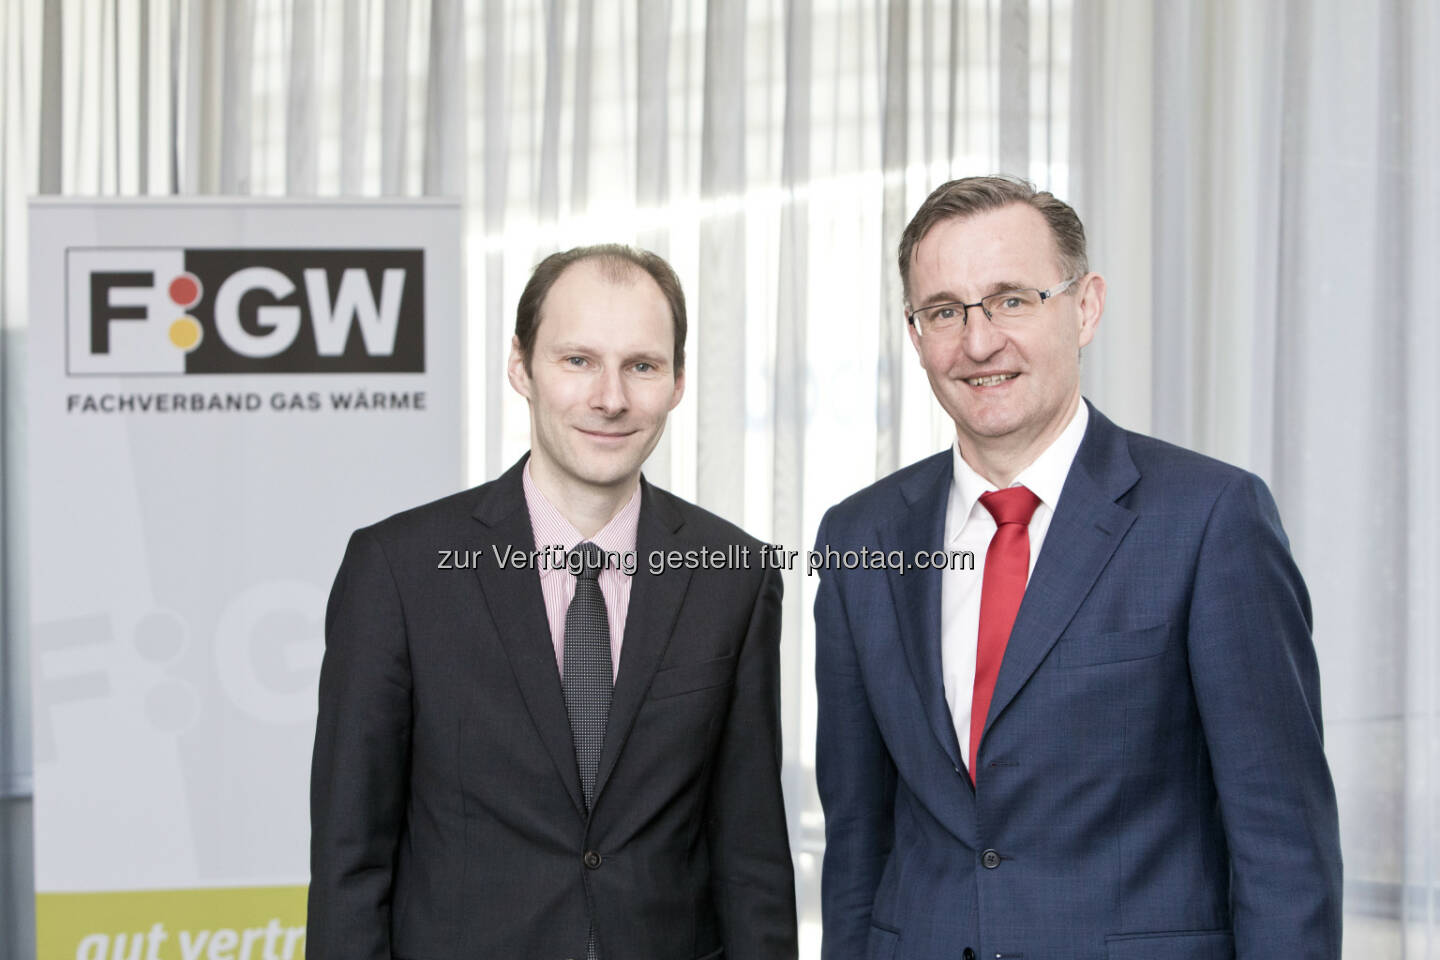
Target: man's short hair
619,264
968,196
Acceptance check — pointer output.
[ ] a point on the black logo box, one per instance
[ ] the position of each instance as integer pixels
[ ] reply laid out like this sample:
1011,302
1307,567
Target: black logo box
213,266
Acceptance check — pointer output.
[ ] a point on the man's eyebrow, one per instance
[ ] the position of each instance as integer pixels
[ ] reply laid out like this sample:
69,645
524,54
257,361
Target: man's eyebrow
949,296
566,348
657,358
939,296
1003,286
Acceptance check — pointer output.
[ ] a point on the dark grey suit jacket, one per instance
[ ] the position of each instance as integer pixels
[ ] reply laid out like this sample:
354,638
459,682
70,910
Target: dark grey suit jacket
447,818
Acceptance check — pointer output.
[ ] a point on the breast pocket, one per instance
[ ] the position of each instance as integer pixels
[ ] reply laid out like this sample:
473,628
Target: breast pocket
693,677
1099,648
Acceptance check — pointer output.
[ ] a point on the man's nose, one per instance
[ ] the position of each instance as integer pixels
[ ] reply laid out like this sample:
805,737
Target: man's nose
609,392
980,339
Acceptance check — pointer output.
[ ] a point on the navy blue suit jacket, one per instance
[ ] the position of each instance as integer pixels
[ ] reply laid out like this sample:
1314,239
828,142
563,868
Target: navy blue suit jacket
1152,778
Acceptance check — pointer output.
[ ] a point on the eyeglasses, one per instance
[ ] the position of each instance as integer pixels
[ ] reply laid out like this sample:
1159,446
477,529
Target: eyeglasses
1009,308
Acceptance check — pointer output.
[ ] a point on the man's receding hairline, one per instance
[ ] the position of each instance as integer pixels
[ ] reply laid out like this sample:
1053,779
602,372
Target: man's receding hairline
971,215
614,270
616,267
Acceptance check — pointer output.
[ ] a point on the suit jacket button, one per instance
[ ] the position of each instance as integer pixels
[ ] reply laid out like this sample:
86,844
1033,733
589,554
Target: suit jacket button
592,859
969,954
990,859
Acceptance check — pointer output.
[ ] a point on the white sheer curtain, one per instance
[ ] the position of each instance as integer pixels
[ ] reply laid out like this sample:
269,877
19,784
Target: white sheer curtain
1266,178
1259,182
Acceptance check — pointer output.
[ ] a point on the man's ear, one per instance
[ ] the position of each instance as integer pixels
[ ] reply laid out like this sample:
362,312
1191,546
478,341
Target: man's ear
914,337
515,369
679,388
1092,305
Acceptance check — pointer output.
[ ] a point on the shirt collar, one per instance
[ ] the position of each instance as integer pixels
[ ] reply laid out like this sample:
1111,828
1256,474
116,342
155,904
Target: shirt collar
1045,476
551,527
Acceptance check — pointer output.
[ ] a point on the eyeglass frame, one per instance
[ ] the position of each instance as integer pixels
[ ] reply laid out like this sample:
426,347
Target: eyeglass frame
1045,295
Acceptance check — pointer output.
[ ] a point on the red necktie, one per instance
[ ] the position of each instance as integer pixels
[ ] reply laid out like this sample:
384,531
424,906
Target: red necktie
1007,565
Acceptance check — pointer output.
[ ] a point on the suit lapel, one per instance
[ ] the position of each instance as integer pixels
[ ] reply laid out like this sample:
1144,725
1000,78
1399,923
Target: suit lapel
517,606
917,592
1083,535
649,623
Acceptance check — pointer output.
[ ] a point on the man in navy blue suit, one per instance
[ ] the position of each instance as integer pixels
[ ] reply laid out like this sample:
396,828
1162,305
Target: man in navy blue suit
1095,732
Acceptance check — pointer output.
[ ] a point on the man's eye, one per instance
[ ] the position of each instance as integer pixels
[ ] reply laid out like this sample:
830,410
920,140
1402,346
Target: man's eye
575,361
1012,303
946,313
643,367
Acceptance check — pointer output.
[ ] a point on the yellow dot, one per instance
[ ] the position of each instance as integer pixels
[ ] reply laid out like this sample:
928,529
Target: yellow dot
185,333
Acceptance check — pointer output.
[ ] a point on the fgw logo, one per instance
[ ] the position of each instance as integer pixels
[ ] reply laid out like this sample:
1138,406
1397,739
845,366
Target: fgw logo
146,310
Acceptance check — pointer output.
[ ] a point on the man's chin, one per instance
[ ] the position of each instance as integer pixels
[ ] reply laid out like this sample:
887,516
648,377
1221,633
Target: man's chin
608,476
987,424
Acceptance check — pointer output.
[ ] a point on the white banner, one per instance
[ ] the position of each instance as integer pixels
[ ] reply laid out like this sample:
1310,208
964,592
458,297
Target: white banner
219,391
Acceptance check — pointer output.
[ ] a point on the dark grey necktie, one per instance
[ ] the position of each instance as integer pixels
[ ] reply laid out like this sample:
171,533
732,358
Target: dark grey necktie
587,677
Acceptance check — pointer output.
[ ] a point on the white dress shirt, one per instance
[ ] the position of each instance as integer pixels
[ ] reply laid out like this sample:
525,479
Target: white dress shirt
969,526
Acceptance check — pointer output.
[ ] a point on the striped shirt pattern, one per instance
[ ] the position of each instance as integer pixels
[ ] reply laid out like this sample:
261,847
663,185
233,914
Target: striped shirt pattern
558,584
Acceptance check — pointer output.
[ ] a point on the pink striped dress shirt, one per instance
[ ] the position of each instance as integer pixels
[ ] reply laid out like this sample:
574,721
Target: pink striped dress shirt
558,584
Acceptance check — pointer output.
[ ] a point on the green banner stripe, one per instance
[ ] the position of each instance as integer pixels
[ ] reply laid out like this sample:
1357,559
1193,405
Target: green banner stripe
214,923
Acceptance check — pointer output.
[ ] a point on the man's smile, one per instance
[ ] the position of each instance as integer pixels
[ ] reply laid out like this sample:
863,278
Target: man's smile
990,379
611,435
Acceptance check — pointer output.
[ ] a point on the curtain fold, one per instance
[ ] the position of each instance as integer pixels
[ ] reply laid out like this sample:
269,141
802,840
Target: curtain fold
445,102
301,134
789,388
354,91
580,143
1111,136
547,199
719,306
894,157
653,20
394,95
1293,196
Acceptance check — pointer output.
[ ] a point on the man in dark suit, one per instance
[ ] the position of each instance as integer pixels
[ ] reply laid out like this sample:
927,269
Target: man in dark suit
1098,736
480,789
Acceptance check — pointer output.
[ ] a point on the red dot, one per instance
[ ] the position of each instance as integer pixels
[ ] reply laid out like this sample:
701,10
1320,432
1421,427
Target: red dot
185,289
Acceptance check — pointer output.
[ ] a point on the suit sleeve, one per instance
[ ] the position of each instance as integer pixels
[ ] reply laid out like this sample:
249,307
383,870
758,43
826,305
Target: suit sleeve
358,775
751,870
855,776
1257,687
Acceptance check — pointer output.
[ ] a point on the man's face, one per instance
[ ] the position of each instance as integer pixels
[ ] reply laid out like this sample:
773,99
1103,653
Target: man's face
601,379
1039,360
